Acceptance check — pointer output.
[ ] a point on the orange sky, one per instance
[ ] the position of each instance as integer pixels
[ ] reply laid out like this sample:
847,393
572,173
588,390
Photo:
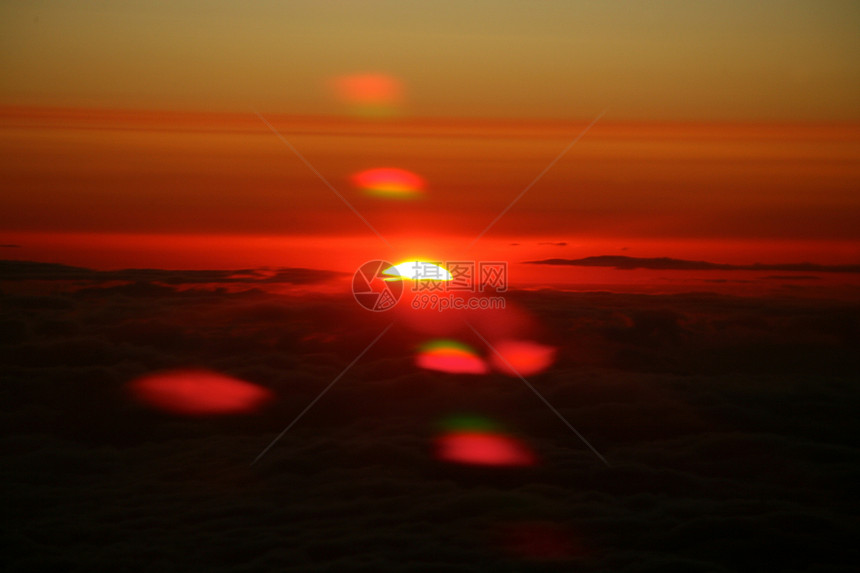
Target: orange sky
119,189
672,59
730,131
90,171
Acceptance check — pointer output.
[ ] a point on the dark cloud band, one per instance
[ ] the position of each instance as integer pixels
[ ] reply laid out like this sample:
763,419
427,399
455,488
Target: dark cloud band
669,264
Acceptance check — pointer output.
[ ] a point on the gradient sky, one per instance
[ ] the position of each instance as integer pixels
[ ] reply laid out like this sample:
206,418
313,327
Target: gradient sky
645,60
730,131
674,186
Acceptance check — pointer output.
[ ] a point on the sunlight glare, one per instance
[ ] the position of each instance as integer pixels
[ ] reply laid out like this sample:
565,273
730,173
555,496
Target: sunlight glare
475,440
418,271
370,94
198,393
524,356
390,182
474,448
450,356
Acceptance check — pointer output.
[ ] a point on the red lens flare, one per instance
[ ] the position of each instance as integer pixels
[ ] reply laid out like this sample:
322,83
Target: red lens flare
540,541
198,393
522,357
450,356
389,182
483,449
369,95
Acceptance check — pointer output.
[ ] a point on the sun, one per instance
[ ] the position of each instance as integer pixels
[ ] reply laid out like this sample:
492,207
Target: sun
417,271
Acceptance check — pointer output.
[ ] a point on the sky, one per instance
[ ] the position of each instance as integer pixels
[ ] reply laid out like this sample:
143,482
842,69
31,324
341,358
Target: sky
133,133
667,60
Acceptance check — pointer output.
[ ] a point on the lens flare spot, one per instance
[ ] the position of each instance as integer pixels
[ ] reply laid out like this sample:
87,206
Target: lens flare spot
450,356
369,95
483,449
389,182
540,541
523,357
198,393
418,271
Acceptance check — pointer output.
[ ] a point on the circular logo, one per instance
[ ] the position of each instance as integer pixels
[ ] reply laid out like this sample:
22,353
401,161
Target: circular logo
374,290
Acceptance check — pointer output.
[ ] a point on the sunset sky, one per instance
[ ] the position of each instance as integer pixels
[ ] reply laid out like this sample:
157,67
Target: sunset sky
194,201
726,132
666,60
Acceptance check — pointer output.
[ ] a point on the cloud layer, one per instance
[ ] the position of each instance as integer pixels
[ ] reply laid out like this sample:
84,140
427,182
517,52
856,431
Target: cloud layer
30,270
728,423
669,264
